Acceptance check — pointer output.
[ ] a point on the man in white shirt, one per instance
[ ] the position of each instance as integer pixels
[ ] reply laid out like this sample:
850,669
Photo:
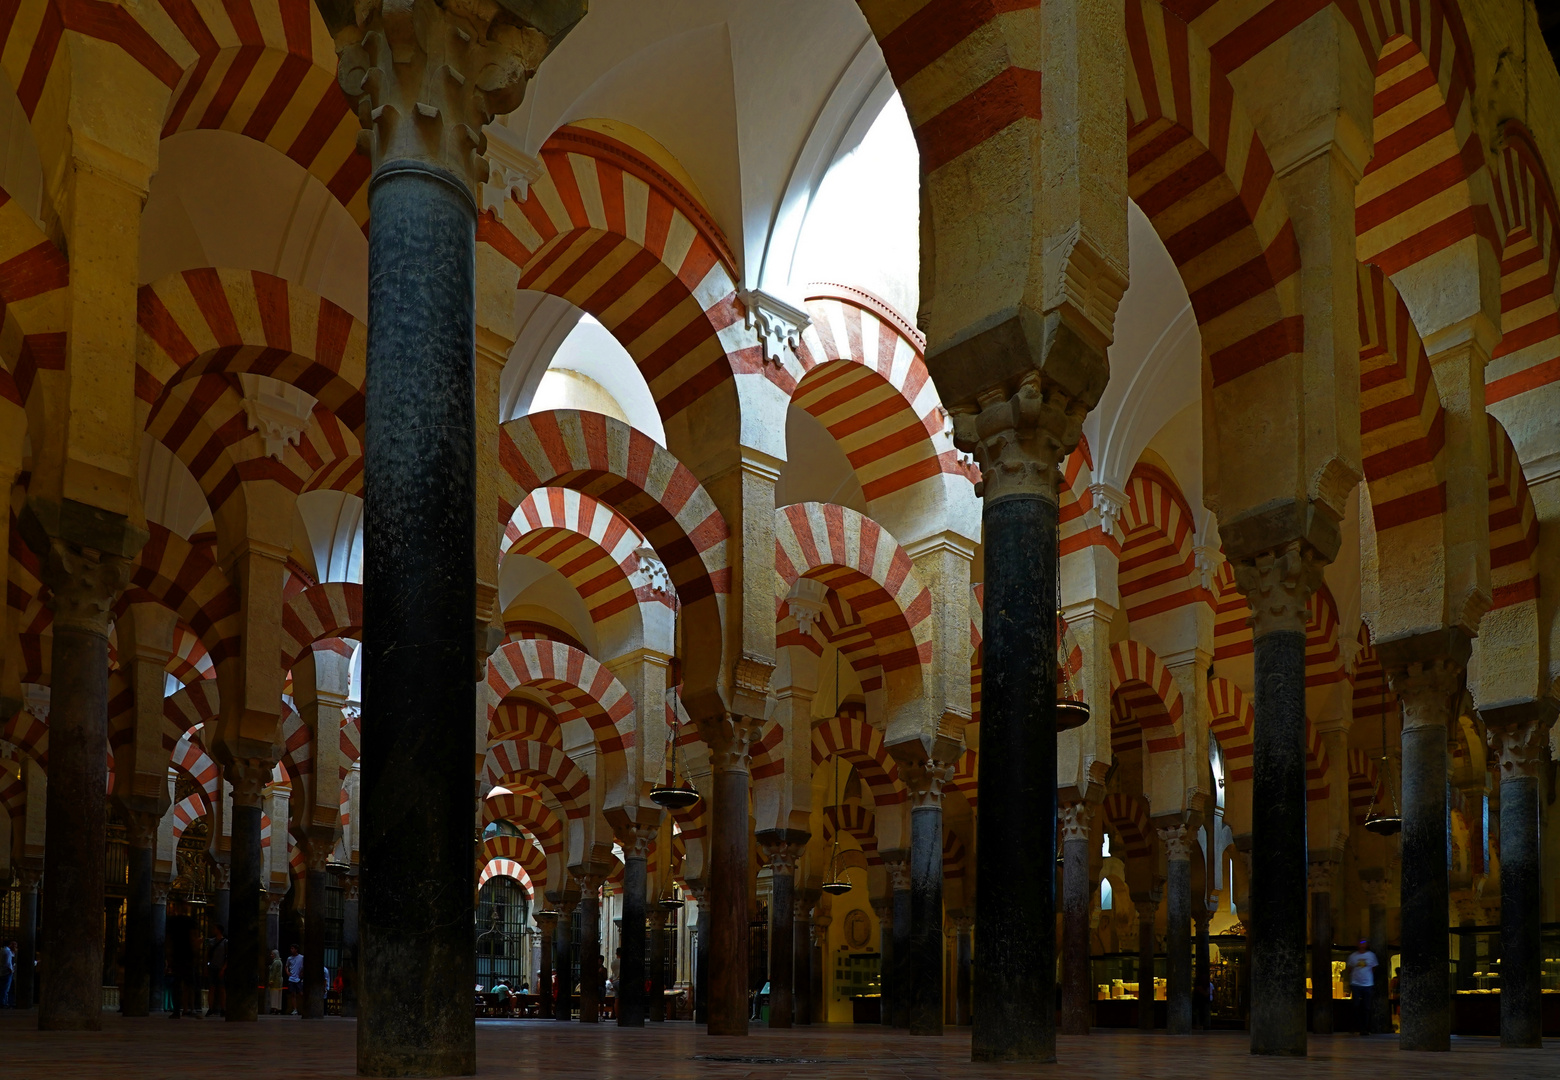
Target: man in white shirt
1362,984
295,978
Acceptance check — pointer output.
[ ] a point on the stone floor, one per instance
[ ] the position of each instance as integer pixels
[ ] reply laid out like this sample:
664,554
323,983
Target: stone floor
289,1049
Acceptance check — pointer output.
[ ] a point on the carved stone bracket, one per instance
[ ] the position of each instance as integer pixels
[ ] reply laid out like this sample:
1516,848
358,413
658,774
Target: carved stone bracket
545,921
1277,584
85,586
1109,501
806,603
750,684
1020,439
1077,817
778,325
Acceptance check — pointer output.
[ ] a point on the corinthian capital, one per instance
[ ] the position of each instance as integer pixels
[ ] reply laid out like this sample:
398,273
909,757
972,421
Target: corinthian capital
85,584
1019,439
426,76
1277,584
730,739
1178,845
925,781
1522,749
1428,672
1076,818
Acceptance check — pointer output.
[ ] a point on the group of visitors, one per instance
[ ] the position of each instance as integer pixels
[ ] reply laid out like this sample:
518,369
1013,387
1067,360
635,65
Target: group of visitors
284,983
10,958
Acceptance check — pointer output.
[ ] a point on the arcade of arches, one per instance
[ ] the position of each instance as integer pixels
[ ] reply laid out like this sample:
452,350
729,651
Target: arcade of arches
435,430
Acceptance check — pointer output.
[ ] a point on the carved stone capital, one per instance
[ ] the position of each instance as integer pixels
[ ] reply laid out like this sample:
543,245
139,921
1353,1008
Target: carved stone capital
883,908
897,863
1322,875
28,878
925,781
1177,842
1522,749
425,77
1109,502
1077,817
160,891
589,883
1429,690
1020,439
1378,891
317,853
636,839
1277,584
249,777
141,829
783,847
221,876
730,739
85,586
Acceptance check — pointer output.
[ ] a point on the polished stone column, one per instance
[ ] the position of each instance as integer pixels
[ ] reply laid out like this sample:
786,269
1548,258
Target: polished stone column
246,924
424,116
632,1005
1077,896
84,586
1178,929
701,958
899,875
1427,674
563,958
1377,893
1277,582
27,937
547,924
1147,911
1324,873
820,941
273,922
351,948
783,847
656,1013
729,741
590,947
1202,1006
1018,441
962,979
318,855
801,959
1522,747
883,908
924,960
136,995
221,893
157,993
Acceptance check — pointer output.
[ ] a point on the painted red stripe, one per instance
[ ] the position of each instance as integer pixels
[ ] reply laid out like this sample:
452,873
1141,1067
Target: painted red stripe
278,95
1009,97
937,27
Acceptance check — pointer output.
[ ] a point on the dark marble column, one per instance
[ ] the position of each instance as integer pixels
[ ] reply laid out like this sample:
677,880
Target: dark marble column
1077,899
273,922
1018,443
1427,674
801,959
1277,583
84,586
820,941
136,995
1202,1005
246,924
962,979
924,955
563,959
221,893
351,947
729,741
314,931
1323,875
1378,891
783,847
27,937
701,959
883,908
157,994
632,1004
656,1012
1522,748
547,925
1178,930
590,947
1147,911
899,874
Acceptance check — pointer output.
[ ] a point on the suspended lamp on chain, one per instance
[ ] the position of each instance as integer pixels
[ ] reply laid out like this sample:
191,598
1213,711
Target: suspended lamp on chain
1072,710
671,795
1379,823
673,900
837,885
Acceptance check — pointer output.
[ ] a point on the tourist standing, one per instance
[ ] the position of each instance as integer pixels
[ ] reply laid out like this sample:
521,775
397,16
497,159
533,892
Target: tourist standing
8,975
273,984
1362,984
216,972
294,979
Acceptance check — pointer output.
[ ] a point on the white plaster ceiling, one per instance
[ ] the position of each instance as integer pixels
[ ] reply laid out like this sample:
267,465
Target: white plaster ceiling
590,370
333,524
816,469
169,493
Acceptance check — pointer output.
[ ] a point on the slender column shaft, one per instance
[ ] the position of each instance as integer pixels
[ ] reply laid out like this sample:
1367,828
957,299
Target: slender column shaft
27,941
590,951
701,965
801,964
632,1005
1424,985
1523,751
887,985
246,925
418,957
782,901
656,1012
221,905
549,929
962,979
1077,890
314,941
563,957
157,988
1145,972
72,987
728,895
925,952
351,952
1178,927
820,1003
1381,997
902,960
135,998
1015,1018
1202,1007
1278,850
1321,963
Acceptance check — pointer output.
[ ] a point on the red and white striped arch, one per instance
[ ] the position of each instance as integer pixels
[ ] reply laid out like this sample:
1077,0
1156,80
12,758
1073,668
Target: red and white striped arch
544,767
954,857
508,868
173,572
1232,722
849,737
1198,170
1365,787
525,810
1149,695
1513,525
966,777
1231,632
1373,699
591,705
1157,571
186,810
520,718
34,299
857,558
1127,816
1076,503
615,235
195,704
28,734
866,381
1527,360
190,758
1318,765
854,820
1402,425
332,609
1323,658
189,660
515,852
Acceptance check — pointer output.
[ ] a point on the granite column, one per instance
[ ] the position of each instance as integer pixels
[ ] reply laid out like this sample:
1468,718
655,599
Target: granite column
590,947
1178,929
924,953
1202,1005
730,740
1324,873
632,1005
1077,894
157,996
783,847
801,960
140,911
246,921
1522,747
656,1010
1377,892
962,980
317,855
547,925
1147,912
27,938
